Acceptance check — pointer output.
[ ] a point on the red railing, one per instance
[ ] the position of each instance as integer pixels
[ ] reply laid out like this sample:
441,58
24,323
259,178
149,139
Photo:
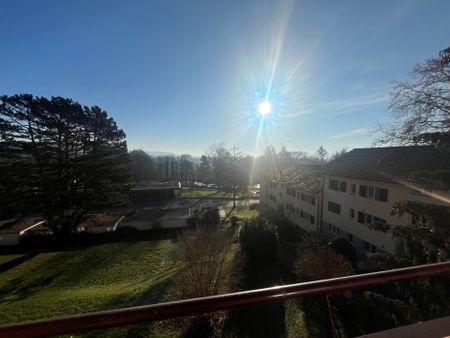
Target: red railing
134,315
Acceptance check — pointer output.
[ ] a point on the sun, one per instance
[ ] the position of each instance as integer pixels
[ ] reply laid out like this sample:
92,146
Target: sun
264,108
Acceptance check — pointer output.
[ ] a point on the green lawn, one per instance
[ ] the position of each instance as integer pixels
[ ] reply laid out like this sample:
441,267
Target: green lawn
208,193
100,277
8,258
241,211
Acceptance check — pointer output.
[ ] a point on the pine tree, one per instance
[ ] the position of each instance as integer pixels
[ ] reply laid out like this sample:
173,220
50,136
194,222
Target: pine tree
60,158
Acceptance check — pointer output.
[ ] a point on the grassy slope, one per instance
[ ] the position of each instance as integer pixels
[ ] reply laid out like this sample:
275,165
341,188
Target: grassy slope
241,211
8,258
97,278
208,193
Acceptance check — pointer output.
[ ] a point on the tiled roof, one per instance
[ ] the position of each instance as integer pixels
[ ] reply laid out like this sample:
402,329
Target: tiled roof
303,177
16,226
416,164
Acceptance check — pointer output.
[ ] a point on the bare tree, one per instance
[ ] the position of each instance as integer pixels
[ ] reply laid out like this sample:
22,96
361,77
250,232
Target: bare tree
324,263
338,153
420,105
210,265
321,154
206,257
236,158
220,161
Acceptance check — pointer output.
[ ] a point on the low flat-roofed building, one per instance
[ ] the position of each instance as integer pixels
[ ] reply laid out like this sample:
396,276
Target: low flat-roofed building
100,222
11,231
142,193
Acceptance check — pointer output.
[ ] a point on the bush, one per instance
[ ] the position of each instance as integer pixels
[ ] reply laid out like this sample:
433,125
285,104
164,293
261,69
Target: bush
254,206
234,221
210,217
258,237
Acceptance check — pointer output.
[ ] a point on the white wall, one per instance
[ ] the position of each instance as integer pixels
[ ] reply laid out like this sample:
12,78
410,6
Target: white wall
347,200
282,198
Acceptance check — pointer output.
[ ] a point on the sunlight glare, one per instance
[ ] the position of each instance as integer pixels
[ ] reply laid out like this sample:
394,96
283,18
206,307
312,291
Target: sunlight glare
264,108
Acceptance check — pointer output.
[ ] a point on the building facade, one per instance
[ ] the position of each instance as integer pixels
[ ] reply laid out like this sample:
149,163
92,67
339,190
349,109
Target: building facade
360,188
294,192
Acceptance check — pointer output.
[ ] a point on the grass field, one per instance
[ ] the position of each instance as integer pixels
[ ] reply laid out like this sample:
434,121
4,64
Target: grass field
241,211
96,278
209,193
8,258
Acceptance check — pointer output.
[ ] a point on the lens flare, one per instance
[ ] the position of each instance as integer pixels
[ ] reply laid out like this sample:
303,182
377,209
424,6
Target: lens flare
264,108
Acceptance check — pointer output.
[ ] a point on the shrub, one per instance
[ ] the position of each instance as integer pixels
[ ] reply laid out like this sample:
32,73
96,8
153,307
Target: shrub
258,237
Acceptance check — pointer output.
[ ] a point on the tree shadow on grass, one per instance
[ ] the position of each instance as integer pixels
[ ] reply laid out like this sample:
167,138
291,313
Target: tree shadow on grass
15,262
18,290
156,293
262,320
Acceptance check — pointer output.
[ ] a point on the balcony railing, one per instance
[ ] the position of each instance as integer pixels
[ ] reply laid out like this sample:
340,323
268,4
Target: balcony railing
134,315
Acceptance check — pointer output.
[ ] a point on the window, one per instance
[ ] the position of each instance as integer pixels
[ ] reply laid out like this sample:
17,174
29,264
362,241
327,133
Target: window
378,194
350,237
417,219
290,207
363,190
381,194
272,198
337,185
352,213
371,192
311,219
311,200
361,217
333,184
369,247
335,229
369,219
353,188
290,191
334,207
303,197
378,220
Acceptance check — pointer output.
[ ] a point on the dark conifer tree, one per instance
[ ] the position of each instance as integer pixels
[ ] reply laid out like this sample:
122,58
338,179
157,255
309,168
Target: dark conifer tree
59,158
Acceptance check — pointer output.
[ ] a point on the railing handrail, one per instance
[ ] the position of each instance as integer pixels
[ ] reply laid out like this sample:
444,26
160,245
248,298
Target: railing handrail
133,315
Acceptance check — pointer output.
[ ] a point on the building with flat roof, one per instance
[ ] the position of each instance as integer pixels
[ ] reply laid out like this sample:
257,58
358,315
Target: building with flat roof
143,193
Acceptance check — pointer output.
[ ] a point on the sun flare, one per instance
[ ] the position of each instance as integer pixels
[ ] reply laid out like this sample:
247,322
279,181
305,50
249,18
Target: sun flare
264,108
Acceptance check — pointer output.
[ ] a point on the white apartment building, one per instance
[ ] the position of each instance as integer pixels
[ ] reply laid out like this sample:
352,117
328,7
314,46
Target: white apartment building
361,187
296,193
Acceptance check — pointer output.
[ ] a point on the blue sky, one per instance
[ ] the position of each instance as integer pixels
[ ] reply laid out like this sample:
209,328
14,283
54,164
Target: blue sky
180,75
